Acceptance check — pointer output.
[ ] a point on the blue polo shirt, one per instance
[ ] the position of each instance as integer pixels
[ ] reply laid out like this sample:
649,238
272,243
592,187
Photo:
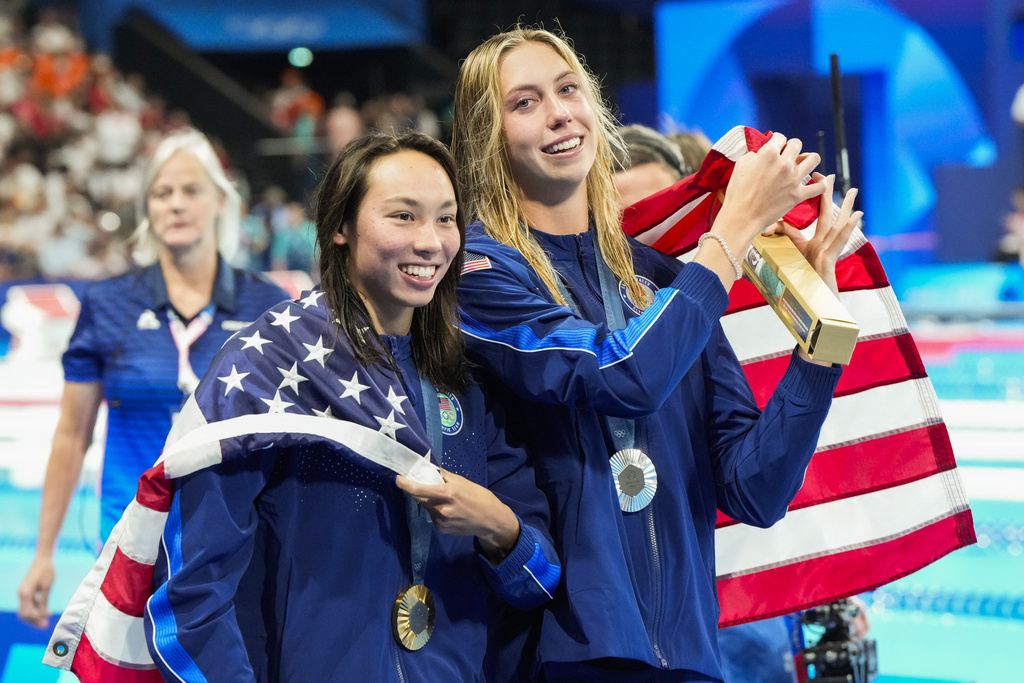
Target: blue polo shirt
122,340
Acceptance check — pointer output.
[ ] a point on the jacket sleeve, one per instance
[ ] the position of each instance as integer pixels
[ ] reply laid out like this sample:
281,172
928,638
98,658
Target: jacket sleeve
529,575
759,458
547,353
191,626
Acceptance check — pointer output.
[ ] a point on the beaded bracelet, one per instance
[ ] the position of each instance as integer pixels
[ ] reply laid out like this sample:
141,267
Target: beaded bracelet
725,248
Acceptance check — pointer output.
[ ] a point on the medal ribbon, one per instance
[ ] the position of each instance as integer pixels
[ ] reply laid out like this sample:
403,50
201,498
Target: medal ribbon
632,471
623,430
420,526
183,339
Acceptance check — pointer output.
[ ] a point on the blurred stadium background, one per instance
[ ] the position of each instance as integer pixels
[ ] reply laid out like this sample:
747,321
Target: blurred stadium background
86,87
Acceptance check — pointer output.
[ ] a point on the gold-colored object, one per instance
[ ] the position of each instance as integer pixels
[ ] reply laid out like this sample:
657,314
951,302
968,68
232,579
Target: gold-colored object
412,619
811,311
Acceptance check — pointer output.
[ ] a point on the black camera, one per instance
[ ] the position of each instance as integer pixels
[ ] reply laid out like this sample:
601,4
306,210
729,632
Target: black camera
838,656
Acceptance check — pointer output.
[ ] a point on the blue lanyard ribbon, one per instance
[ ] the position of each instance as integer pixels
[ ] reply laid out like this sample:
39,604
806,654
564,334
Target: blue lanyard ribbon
421,528
622,430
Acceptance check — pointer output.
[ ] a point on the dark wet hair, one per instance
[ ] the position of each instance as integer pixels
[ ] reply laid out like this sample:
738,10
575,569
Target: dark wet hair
439,349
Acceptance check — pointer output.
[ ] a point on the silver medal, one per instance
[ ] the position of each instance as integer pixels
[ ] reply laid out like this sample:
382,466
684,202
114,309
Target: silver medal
636,480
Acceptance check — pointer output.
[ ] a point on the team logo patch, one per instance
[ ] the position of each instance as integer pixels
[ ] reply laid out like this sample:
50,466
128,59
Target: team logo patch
471,262
451,414
649,290
148,321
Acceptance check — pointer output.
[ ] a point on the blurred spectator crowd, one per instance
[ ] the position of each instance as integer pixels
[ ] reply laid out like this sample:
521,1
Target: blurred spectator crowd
75,134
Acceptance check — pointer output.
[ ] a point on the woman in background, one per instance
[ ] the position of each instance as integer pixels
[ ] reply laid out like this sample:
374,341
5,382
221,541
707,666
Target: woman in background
143,338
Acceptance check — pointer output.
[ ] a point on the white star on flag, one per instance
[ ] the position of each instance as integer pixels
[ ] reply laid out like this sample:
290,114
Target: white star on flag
234,380
395,400
291,378
278,404
255,342
284,318
311,299
323,413
318,351
353,387
388,425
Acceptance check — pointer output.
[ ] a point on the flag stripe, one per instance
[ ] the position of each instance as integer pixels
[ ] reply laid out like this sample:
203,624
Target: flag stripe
90,666
154,489
683,235
878,412
117,637
139,533
875,362
881,462
841,574
127,586
837,525
872,465
661,211
201,447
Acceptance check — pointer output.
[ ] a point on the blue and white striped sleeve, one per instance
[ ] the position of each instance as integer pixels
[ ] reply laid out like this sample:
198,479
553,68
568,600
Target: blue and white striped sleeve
547,353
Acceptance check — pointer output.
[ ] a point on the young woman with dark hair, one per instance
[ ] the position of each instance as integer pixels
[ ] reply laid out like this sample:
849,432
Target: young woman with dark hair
296,554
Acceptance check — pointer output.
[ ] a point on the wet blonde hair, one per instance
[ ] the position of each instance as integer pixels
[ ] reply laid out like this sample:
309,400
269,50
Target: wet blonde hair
485,173
191,141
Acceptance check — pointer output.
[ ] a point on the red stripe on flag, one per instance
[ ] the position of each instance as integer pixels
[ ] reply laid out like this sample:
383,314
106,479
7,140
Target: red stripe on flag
875,363
744,295
755,138
782,590
88,665
154,490
653,210
874,465
880,463
868,258
127,584
861,270
688,229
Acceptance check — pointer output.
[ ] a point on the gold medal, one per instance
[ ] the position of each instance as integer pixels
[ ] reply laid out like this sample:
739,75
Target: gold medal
412,619
636,480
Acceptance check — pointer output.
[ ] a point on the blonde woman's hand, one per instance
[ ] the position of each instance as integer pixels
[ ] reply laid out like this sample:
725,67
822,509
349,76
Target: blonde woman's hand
823,250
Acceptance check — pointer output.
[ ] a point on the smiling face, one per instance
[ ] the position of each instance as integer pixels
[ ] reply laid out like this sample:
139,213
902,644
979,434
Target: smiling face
547,122
404,238
183,204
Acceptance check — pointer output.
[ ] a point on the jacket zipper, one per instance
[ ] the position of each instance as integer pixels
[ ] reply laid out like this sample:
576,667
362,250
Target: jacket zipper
641,426
398,663
593,292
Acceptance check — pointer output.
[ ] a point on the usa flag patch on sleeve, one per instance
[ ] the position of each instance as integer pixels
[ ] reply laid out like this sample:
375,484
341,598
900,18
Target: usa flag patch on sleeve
473,262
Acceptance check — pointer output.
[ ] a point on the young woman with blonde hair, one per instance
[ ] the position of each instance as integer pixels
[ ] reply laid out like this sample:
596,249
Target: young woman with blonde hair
619,378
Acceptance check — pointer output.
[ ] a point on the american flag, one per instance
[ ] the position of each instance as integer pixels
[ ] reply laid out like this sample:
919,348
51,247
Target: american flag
882,497
278,382
473,262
